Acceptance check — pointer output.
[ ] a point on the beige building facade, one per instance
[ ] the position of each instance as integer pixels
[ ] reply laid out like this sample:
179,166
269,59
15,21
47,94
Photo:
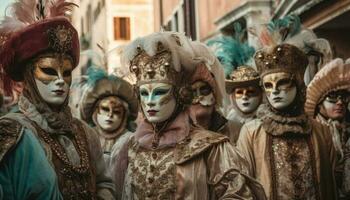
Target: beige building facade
108,25
206,19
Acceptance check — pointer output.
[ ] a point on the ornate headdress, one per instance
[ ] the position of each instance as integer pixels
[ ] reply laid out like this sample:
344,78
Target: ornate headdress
162,57
282,58
242,77
289,30
34,27
332,77
231,51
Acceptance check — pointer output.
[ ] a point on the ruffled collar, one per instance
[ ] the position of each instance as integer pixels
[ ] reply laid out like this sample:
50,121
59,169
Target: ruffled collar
177,131
278,125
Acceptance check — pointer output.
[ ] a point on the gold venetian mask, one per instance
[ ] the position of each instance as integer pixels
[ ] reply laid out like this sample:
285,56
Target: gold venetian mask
48,69
250,91
111,113
281,81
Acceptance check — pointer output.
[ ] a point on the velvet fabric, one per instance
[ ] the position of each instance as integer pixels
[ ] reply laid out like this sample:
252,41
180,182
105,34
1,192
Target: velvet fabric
33,40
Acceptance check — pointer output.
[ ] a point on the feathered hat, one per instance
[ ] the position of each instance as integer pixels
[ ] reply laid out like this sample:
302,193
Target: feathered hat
34,27
161,56
332,77
243,76
288,30
166,57
100,85
231,51
282,58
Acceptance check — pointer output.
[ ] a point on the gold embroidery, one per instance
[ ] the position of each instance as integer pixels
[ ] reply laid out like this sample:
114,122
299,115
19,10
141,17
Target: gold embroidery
60,38
10,130
152,173
293,168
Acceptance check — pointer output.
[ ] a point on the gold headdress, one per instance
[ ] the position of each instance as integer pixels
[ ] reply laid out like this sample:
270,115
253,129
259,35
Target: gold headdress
241,77
166,57
154,68
160,57
282,58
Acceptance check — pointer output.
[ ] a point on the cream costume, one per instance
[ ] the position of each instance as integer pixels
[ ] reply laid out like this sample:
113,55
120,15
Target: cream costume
169,157
333,78
109,103
291,155
243,85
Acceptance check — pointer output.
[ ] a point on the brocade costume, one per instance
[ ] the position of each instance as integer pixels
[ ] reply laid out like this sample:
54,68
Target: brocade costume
290,154
175,159
45,152
289,161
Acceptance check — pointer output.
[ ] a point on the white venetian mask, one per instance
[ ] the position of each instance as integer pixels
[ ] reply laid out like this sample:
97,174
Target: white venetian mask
280,89
247,99
157,101
110,114
53,78
202,94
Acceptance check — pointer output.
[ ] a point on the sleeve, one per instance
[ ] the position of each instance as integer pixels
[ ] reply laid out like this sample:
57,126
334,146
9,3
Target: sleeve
244,146
228,174
120,166
25,172
346,171
104,183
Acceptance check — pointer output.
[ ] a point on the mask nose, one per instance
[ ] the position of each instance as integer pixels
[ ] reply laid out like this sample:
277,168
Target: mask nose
150,101
59,82
275,91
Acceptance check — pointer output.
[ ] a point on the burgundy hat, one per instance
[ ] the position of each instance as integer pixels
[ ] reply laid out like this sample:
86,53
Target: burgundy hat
53,34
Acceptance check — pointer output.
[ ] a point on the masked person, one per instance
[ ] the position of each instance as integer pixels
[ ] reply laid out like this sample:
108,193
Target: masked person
110,104
244,89
207,84
168,157
327,99
45,152
292,156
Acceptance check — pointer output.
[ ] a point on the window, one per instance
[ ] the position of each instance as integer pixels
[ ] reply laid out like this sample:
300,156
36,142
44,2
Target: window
121,28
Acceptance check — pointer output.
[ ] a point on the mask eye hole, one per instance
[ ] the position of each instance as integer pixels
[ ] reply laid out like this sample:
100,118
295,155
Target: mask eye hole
144,93
49,71
205,90
104,110
284,83
268,85
251,93
160,92
67,73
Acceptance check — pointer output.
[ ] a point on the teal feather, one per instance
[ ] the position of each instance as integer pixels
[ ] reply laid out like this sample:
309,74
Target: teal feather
94,74
231,53
289,25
